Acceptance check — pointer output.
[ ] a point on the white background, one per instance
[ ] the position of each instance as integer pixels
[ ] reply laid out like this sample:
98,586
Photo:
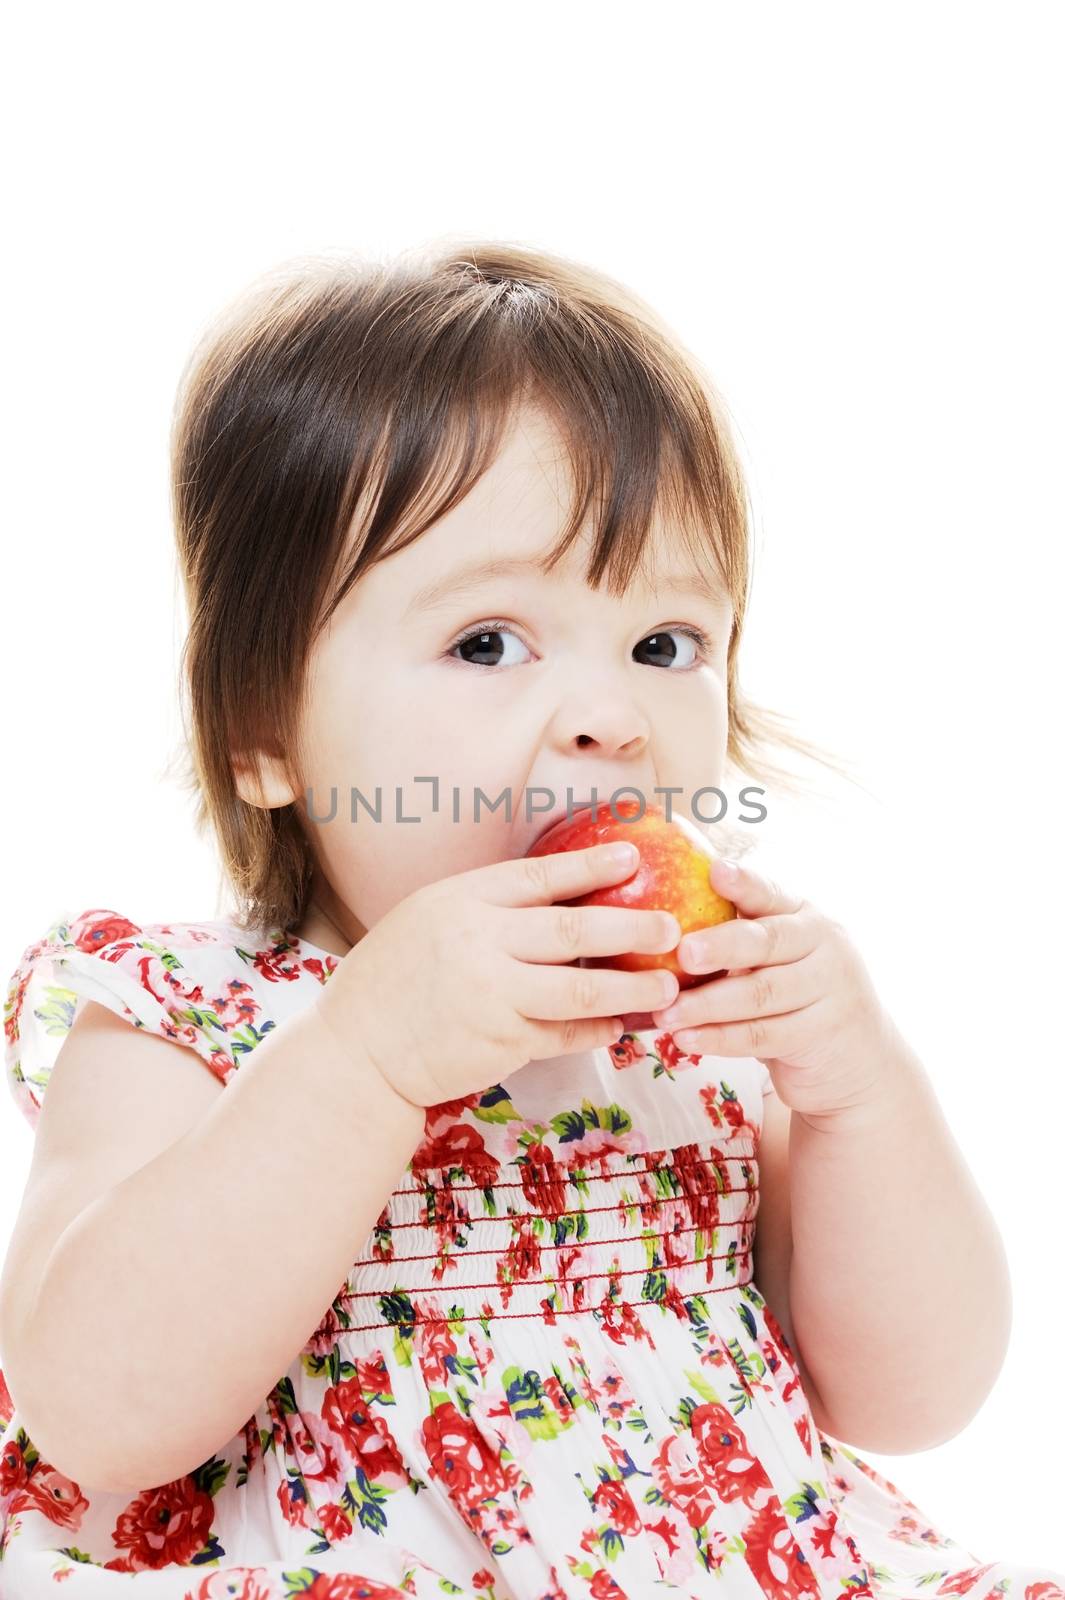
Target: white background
851,214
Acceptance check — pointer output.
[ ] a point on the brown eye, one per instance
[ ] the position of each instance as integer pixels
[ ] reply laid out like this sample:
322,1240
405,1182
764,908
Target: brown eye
482,641
665,653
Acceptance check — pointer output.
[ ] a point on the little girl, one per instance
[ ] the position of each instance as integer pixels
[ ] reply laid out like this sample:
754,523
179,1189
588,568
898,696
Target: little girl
443,1277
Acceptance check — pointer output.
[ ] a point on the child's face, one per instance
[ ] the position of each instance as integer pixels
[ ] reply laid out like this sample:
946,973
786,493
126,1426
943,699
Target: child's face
557,696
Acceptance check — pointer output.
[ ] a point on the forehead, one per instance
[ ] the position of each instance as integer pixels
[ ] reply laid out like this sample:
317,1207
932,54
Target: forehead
509,523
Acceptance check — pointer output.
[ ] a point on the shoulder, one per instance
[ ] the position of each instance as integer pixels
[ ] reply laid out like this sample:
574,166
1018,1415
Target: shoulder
207,985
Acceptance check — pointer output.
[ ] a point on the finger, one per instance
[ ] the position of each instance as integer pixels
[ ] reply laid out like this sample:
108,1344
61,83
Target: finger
765,992
565,933
556,994
752,893
540,880
748,942
567,1038
762,1037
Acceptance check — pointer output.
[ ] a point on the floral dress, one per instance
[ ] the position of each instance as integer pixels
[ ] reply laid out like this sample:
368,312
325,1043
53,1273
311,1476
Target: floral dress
549,1372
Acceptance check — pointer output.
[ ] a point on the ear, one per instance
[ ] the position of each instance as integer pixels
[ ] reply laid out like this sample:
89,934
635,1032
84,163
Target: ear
262,781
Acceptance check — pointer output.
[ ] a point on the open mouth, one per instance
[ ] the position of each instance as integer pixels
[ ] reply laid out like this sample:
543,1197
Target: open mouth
567,813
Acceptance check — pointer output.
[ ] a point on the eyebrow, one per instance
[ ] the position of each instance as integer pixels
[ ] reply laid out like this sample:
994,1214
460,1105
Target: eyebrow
466,579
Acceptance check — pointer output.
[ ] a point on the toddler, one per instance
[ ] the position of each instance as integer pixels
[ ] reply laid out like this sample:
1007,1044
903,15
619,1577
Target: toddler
437,1273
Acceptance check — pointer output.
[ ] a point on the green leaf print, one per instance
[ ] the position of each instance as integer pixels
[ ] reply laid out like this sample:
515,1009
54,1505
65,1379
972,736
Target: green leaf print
570,1227
610,1542
467,1366
58,1014
704,1390
804,1504
570,1390
167,957
397,1308
286,1394
495,1105
211,1476
740,1357
655,1286
569,1125
242,1041
213,1550
297,1582
530,1405
366,1500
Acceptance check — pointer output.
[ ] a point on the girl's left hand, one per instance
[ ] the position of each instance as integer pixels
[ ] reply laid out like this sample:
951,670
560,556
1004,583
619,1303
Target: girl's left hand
794,993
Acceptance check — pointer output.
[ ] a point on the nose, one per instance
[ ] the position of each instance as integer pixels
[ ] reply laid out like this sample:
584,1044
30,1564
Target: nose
604,719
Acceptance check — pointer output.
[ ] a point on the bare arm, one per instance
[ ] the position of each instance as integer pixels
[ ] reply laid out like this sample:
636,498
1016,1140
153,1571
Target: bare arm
158,1328
899,1282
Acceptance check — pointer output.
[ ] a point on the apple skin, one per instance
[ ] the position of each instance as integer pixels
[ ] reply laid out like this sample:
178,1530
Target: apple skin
672,874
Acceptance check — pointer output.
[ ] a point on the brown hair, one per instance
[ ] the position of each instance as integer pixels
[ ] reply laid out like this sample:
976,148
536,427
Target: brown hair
336,408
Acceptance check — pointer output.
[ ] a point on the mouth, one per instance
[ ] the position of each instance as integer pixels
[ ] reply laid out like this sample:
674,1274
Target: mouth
548,819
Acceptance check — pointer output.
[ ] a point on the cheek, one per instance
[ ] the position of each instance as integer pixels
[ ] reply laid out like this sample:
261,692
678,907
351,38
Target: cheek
374,864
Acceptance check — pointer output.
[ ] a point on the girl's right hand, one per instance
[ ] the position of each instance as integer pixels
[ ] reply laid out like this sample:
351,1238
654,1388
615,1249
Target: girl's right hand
467,979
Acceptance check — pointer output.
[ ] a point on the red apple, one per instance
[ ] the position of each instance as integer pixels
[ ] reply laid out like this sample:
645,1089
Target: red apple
673,874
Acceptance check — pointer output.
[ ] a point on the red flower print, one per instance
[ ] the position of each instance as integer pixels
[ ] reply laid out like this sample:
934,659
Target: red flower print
365,1436
520,1260
621,1323
313,1446
7,1405
434,1344
346,1586
786,1352
772,1554
94,929
557,1396
1044,1591
14,1470
235,1583
278,961
335,1523
962,1582
482,1579
735,1115
629,1049
450,1110
682,1485
674,1059
723,1451
163,1526
373,1374
326,1334
612,1500
461,1459
543,1181
292,1498
603,1587
698,1185
55,1496
458,1146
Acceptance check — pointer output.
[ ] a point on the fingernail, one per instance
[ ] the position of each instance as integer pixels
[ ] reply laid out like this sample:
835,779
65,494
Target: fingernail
623,854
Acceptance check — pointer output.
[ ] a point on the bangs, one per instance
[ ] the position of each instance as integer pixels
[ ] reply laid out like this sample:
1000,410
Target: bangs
641,428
